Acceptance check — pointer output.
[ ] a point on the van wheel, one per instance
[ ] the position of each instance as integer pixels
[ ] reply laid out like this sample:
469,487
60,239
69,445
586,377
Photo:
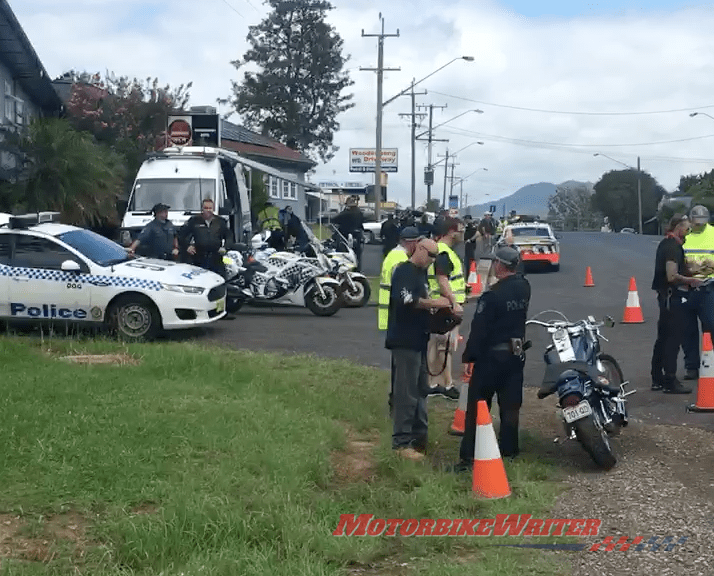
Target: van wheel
134,318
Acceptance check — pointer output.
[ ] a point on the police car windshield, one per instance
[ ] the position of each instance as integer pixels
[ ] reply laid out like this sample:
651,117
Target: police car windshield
530,231
180,193
98,249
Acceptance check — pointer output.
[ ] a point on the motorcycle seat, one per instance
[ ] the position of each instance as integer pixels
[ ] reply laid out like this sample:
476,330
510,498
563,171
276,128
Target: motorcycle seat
554,371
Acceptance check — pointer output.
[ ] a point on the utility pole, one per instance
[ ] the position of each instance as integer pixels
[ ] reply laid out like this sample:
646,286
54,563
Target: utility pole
446,173
639,193
413,115
380,75
429,174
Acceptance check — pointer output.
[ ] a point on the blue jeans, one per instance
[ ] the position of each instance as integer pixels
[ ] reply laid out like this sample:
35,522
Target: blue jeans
699,308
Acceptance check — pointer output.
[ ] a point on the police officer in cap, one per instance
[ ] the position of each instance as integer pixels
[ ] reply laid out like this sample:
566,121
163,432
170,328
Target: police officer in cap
159,237
495,346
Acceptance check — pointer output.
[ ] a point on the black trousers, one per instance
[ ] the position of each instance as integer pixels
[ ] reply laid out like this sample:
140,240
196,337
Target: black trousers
671,326
498,373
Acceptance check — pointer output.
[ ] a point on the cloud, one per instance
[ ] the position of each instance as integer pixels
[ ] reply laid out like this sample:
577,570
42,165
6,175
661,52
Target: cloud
543,82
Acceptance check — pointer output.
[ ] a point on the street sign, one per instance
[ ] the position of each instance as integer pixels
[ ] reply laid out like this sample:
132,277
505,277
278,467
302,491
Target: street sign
365,159
453,201
492,209
179,132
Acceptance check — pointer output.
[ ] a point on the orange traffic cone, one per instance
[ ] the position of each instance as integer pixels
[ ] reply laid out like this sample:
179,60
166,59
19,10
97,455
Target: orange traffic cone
588,278
705,387
468,370
633,312
490,479
474,282
458,426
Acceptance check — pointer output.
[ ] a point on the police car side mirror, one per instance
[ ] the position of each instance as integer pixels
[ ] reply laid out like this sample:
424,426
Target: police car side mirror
558,236
70,266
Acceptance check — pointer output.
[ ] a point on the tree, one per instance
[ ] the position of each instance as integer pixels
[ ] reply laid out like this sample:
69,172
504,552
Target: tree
297,94
60,169
616,197
700,187
571,206
129,116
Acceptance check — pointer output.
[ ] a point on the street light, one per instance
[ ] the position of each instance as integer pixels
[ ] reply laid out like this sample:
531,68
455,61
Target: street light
380,106
639,184
449,120
693,114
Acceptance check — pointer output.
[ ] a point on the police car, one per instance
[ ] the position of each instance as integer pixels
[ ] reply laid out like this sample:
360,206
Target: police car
534,240
54,272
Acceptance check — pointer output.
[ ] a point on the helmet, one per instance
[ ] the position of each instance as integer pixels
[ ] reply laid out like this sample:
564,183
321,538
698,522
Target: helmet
699,214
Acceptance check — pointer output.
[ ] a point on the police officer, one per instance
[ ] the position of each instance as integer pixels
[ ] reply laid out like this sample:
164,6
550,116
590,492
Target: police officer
208,233
495,346
699,257
351,221
158,238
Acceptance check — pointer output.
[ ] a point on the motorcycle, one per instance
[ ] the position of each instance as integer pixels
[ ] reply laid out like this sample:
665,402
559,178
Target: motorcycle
590,386
282,278
356,289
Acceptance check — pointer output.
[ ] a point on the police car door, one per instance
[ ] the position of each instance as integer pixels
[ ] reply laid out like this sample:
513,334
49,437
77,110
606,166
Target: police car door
39,289
4,274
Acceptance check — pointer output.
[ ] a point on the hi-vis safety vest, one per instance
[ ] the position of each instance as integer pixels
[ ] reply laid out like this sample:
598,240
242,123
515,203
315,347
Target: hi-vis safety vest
700,246
456,280
391,260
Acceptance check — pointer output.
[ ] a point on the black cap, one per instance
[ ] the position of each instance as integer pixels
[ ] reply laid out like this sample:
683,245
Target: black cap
508,256
410,233
159,207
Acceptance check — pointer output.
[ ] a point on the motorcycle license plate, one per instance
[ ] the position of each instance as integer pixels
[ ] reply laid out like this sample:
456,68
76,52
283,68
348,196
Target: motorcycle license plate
574,413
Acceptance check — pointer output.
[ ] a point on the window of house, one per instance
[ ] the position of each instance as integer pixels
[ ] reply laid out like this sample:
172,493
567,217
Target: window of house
19,112
289,191
274,190
9,103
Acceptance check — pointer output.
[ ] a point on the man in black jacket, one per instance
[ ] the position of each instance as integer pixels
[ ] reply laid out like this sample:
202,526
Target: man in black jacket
351,221
495,346
208,232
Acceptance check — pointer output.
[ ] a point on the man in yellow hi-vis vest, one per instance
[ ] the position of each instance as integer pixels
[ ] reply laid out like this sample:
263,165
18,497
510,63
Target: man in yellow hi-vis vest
446,278
699,256
408,240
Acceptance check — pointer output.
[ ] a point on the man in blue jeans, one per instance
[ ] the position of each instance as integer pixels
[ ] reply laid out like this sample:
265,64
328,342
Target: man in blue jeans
407,338
699,254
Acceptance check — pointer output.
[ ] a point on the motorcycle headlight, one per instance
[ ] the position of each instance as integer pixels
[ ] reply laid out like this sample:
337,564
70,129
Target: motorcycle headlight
182,289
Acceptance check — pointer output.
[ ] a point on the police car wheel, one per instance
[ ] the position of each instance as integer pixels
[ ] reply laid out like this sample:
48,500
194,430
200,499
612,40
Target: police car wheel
135,318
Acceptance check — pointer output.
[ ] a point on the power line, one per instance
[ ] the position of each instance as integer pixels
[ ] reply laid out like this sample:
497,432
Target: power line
561,145
572,113
233,8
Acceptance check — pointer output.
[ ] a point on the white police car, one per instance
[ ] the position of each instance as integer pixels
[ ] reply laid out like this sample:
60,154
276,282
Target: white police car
54,272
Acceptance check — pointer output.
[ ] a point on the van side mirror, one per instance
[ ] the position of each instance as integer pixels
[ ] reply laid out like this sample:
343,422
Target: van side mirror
121,207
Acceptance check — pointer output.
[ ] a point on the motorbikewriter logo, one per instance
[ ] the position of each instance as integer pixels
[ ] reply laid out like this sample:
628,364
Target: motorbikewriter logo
501,525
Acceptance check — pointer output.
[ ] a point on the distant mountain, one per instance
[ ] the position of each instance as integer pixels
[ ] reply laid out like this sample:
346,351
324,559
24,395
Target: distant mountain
531,199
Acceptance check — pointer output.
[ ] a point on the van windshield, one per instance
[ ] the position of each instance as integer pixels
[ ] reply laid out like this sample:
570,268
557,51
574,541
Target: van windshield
178,193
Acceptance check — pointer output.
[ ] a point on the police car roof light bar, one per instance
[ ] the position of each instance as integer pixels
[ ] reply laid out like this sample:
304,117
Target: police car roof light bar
22,221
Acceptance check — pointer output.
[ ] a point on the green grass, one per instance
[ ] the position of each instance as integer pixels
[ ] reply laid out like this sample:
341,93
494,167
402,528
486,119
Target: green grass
204,461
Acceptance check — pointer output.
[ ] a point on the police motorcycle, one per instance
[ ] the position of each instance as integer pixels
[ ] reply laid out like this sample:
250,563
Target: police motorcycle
590,387
356,290
279,278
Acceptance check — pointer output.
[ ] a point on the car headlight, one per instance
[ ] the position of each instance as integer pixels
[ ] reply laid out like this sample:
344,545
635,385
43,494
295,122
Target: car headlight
182,289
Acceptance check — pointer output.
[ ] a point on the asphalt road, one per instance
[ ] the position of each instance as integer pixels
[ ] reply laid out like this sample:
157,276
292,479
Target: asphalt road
614,259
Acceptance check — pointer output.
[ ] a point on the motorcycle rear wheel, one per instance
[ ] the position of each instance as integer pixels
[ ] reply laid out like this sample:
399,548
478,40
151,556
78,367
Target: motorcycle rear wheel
359,296
595,442
326,306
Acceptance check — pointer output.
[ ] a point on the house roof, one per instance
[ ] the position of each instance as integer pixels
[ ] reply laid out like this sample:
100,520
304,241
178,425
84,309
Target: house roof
249,143
18,55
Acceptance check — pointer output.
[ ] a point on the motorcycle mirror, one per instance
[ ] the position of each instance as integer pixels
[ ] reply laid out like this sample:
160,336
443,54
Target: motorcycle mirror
609,322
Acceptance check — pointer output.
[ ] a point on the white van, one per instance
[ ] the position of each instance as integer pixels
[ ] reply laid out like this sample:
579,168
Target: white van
182,178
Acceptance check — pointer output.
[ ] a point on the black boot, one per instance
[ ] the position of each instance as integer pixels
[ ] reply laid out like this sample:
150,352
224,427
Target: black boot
674,386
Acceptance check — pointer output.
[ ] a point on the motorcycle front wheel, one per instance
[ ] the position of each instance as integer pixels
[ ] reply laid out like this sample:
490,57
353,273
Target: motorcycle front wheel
326,306
595,442
359,296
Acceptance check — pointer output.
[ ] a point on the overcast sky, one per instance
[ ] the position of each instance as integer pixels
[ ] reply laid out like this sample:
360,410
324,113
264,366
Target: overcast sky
557,81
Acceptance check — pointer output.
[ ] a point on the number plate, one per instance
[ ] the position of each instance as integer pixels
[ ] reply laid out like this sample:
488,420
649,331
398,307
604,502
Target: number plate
577,412
221,305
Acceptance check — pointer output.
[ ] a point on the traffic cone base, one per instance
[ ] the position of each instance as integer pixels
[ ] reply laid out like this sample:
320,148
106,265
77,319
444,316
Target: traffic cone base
489,474
458,426
633,310
588,278
705,386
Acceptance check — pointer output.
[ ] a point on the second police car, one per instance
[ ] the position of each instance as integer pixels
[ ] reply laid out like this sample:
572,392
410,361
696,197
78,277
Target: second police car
55,272
534,240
